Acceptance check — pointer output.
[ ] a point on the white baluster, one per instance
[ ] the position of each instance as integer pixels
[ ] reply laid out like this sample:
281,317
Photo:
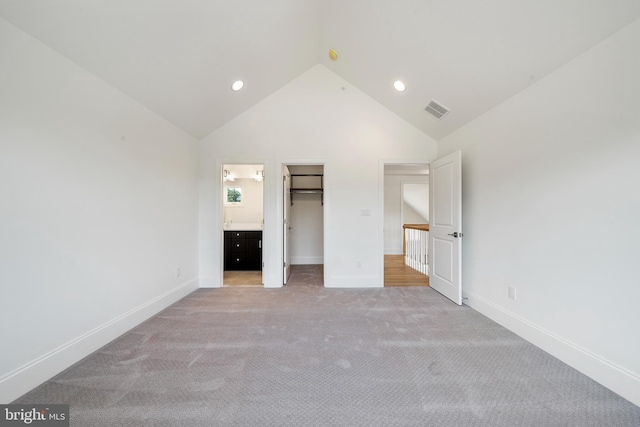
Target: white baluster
417,250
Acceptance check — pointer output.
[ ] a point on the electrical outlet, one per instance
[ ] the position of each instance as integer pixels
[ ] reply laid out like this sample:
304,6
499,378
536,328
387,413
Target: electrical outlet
512,293
178,272
365,212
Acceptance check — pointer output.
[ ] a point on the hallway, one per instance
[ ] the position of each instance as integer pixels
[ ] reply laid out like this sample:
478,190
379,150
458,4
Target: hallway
397,273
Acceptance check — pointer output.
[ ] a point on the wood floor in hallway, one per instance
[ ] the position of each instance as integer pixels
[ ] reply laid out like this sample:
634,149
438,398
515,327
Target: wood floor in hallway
397,273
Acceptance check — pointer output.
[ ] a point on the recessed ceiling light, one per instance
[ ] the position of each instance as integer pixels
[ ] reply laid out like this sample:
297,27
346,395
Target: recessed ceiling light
399,86
237,85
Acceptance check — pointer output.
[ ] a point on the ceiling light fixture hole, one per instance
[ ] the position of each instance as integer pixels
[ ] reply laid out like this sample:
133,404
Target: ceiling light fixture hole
237,85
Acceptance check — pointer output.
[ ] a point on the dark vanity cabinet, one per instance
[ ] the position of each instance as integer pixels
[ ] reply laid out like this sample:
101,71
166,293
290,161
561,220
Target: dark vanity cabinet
243,250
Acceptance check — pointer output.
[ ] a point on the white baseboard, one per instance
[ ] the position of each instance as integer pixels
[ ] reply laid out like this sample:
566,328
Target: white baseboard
353,282
21,380
614,377
393,251
210,282
306,260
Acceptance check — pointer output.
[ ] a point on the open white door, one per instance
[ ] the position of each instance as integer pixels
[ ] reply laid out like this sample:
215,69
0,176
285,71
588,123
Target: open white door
445,227
286,226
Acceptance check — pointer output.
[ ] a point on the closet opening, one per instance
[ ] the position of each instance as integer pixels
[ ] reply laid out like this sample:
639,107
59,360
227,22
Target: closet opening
303,224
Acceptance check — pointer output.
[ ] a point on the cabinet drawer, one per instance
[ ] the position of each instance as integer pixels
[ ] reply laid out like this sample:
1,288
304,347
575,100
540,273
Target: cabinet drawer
238,246
234,234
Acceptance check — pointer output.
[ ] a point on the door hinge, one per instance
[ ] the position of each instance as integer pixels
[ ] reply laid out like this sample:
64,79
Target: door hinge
284,264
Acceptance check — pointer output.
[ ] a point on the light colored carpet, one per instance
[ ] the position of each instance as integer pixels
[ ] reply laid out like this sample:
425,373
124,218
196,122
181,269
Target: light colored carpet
309,356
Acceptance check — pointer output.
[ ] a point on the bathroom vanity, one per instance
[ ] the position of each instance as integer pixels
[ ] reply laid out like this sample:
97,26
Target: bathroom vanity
243,250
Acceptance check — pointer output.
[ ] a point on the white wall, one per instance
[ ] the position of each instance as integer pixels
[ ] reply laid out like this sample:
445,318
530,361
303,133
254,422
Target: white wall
411,216
307,218
250,211
98,206
394,210
551,206
317,118
415,203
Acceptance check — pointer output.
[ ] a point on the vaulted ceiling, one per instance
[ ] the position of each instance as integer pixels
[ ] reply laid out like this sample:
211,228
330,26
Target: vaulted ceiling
179,58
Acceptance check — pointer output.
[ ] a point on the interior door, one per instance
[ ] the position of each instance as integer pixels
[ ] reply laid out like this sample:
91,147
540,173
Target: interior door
286,225
445,227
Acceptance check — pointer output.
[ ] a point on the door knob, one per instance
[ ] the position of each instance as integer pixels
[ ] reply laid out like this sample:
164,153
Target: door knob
455,234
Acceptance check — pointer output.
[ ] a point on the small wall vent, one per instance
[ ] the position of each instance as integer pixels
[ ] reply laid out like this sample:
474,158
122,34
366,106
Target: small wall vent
436,110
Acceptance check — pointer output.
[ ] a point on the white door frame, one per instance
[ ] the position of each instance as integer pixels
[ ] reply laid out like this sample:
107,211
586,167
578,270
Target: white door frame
325,208
286,223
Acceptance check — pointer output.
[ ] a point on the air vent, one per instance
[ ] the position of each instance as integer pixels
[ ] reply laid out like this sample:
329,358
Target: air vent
436,110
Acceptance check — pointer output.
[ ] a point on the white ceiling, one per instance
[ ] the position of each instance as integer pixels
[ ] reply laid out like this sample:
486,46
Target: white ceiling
179,58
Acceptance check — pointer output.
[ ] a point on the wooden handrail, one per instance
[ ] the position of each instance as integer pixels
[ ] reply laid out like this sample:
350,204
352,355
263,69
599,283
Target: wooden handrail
424,227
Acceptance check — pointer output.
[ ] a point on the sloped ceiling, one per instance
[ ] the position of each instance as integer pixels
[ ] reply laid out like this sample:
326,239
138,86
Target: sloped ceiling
179,58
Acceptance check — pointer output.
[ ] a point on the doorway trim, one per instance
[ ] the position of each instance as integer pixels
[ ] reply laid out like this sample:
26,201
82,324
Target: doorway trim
381,181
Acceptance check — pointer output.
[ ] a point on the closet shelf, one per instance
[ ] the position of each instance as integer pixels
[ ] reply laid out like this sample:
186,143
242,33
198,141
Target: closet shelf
307,190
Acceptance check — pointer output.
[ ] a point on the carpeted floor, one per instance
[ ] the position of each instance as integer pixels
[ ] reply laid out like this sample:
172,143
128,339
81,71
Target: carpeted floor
309,356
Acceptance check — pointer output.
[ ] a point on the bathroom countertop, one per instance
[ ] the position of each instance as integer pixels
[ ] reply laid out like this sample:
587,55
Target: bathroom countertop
243,226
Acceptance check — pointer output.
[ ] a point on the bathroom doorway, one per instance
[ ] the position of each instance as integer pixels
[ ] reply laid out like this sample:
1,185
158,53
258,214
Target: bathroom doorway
243,220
